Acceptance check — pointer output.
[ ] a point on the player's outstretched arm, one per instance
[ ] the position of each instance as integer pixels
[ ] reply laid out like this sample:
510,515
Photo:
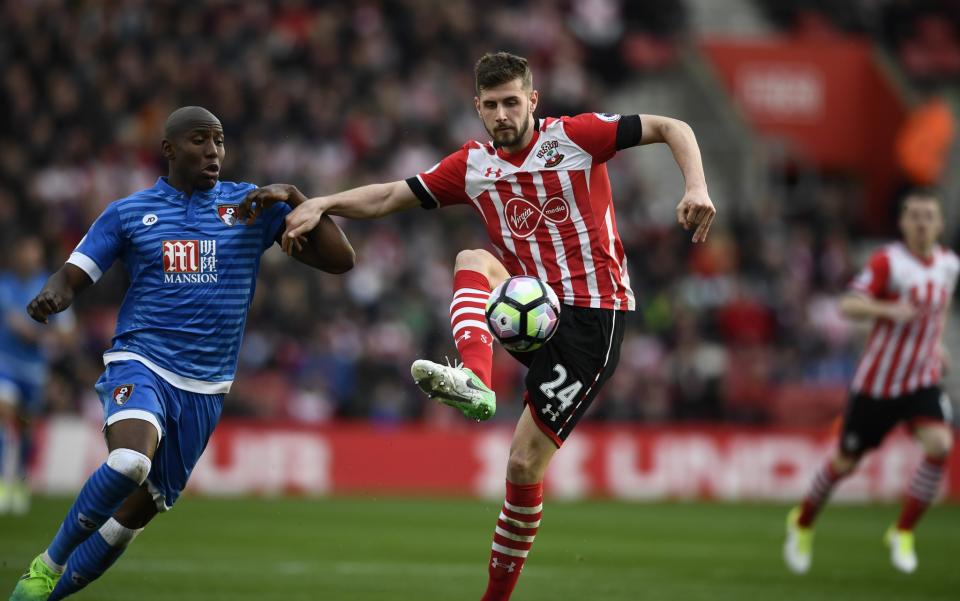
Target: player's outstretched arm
365,202
695,208
324,247
58,293
856,305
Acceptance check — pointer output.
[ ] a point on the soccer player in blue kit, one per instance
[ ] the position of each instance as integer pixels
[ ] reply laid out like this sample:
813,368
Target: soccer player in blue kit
193,266
23,365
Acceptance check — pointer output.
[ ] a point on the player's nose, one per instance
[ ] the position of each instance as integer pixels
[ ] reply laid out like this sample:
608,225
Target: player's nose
210,149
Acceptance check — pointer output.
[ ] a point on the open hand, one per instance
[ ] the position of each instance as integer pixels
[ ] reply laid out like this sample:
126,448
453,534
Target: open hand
696,210
301,221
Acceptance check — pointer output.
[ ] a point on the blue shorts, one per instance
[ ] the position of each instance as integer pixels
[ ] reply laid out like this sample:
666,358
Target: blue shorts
185,421
27,397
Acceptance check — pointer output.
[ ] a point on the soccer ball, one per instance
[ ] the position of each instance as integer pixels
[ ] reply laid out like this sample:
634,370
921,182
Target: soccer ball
523,313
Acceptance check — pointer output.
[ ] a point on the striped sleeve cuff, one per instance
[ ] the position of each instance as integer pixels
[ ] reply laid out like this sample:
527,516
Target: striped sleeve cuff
420,190
86,264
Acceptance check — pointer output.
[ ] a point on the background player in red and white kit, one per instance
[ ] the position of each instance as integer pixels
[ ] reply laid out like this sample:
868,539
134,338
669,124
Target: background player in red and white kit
542,189
906,290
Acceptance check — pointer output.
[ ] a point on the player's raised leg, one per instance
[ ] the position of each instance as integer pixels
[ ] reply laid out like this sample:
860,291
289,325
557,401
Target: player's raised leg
937,441
467,387
798,548
132,443
519,520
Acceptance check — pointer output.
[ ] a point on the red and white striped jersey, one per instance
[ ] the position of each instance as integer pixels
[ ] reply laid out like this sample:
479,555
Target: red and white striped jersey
548,208
900,358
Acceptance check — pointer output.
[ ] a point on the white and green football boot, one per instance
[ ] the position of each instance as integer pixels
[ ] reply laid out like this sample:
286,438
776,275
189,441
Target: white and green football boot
798,548
903,554
456,386
37,583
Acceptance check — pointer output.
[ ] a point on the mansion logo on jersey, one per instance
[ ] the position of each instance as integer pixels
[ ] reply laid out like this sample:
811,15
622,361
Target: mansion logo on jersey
548,151
189,261
523,216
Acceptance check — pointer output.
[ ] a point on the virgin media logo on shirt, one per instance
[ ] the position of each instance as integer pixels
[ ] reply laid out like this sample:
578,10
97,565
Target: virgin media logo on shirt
189,261
523,216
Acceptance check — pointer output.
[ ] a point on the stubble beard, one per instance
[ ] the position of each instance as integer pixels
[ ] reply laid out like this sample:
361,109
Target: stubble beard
514,140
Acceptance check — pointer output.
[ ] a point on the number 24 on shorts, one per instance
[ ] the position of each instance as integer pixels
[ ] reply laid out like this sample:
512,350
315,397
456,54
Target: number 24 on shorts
565,395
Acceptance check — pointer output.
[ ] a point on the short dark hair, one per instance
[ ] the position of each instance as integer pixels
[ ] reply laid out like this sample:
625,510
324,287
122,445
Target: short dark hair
928,194
497,68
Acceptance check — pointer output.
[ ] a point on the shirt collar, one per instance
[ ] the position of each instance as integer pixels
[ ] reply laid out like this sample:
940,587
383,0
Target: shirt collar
165,188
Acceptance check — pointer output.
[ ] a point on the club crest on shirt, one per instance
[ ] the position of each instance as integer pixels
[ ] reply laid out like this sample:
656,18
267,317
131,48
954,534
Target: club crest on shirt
121,394
549,153
228,214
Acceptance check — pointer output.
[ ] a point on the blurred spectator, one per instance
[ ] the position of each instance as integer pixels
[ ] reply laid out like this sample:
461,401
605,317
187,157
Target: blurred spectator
925,140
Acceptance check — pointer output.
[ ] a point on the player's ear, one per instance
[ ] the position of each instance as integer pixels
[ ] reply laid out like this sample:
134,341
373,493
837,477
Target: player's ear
476,104
166,149
534,97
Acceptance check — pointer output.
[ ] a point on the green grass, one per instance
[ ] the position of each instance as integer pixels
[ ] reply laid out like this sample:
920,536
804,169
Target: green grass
368,549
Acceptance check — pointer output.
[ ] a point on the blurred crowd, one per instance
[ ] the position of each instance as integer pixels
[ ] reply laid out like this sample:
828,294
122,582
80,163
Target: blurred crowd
922,35
331,95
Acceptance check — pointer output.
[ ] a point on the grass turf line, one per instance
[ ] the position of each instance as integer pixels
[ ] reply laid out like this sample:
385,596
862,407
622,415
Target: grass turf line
381,549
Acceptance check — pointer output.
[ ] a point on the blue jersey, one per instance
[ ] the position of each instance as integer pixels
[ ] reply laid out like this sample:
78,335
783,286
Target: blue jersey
21,359
193,269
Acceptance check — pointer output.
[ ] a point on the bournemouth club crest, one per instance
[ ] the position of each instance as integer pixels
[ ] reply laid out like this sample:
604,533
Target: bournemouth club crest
121,394
228,214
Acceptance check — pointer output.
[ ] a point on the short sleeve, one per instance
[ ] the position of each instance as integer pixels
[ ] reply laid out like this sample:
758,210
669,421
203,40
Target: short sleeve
443,184
274,224
101,246
873,279
603,134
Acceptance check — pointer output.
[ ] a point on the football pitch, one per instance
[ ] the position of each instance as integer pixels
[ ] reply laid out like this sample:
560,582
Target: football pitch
386,549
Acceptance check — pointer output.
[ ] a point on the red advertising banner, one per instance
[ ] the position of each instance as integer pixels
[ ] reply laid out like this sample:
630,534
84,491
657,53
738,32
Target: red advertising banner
828,100
621,462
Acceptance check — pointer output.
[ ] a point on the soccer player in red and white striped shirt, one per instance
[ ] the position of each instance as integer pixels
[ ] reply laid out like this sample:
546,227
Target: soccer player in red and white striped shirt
905,289
541,188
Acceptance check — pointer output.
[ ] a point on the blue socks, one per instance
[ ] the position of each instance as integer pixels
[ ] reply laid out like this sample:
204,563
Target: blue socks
99,498
93,557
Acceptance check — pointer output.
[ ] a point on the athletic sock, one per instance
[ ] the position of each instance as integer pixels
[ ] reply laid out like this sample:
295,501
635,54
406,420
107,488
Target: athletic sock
818,494
99,498
9,453
471,290
93,557
25,448
922,491
516,528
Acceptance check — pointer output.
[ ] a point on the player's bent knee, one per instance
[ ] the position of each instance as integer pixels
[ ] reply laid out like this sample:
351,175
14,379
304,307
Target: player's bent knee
844,464
524,468
130,463
473,259
938,443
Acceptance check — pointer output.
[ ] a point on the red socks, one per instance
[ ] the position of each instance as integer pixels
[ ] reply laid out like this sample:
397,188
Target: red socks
470,333
922,491
818,494
516,528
